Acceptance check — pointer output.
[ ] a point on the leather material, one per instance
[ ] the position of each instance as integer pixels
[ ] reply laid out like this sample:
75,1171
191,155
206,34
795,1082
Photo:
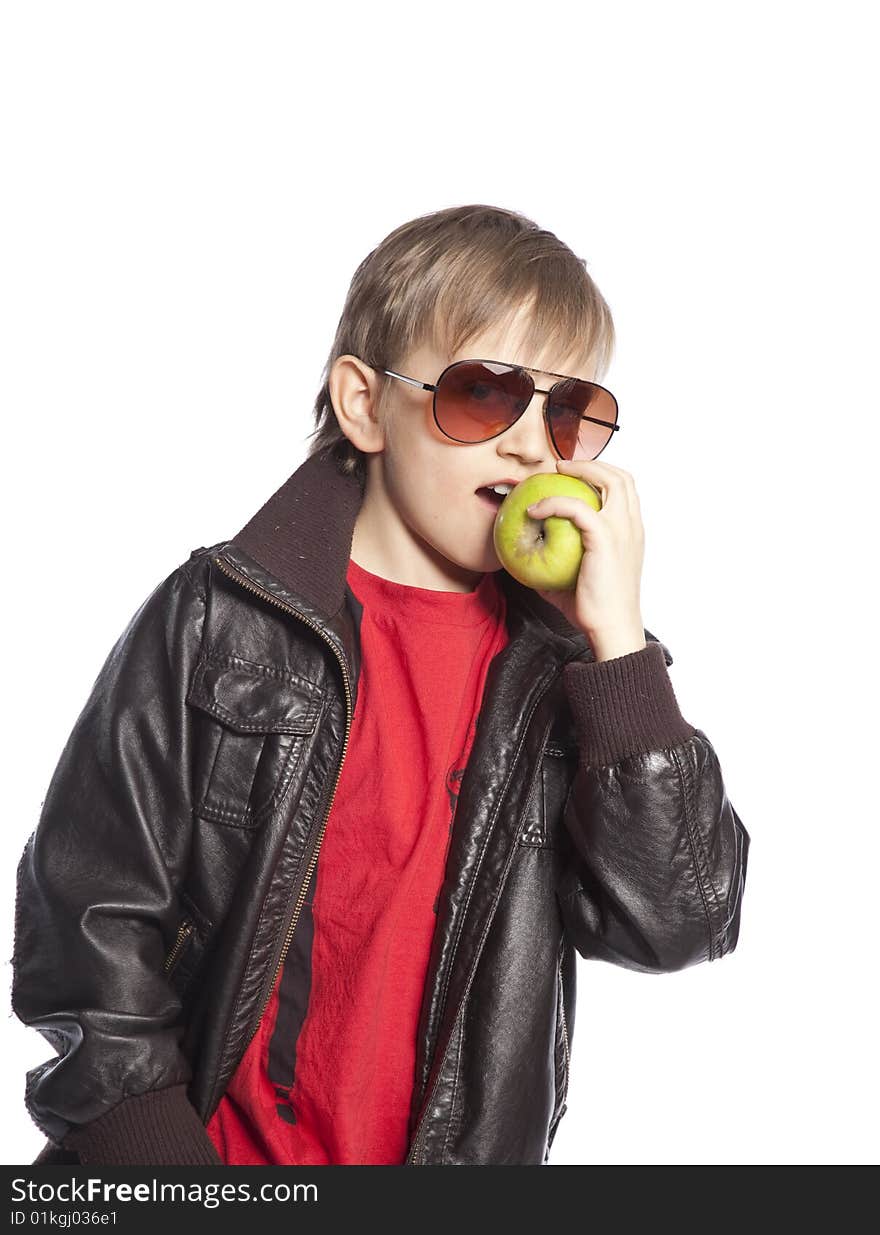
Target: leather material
183,820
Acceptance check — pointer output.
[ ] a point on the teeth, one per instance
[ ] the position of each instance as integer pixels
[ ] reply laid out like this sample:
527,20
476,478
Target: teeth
502,489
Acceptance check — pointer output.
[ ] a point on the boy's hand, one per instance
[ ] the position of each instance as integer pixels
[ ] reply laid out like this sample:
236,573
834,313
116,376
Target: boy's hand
606,603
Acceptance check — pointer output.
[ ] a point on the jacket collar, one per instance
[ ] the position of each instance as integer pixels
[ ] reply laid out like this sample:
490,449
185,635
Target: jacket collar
301,539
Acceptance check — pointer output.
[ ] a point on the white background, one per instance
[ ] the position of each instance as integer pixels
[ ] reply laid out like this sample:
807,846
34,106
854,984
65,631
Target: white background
188,189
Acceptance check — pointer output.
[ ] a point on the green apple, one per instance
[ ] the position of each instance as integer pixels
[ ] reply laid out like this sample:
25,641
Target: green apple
544,554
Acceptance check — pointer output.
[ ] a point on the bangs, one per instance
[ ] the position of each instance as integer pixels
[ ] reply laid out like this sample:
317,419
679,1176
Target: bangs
549,308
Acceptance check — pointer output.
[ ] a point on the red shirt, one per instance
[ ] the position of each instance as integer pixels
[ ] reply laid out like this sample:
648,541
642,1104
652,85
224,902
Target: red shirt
327,1078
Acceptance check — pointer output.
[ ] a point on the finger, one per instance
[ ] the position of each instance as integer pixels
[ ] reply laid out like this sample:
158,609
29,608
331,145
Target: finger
580,514
593,464
592,468
602,476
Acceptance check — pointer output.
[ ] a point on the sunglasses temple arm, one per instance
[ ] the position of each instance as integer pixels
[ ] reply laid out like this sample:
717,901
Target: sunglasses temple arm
412,381
605,423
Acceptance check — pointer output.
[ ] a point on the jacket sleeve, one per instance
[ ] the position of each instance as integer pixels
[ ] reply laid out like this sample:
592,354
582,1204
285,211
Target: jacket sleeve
659,866
97,904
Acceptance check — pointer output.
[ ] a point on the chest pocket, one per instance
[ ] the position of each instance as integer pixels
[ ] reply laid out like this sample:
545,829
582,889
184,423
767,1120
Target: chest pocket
254,724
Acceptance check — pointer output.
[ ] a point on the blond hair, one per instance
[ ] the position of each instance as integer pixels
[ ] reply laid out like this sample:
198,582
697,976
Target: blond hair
446,277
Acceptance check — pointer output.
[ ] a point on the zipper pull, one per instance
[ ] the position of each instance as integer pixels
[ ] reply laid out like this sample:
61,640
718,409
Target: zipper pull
183,933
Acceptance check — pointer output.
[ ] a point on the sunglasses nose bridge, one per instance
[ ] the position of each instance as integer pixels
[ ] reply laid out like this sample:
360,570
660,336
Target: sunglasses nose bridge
530,423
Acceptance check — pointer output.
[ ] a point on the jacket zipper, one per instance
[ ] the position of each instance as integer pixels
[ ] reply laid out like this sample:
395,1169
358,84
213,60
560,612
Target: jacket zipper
564,1032
413,1157
252,587
183,933
562,1108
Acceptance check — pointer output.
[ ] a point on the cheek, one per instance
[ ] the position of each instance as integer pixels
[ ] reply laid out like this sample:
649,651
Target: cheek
428,482
433,492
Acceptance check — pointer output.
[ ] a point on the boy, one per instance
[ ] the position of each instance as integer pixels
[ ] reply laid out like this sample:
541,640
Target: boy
346,798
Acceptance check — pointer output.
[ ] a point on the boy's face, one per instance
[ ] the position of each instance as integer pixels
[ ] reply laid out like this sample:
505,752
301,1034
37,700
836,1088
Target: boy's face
422,521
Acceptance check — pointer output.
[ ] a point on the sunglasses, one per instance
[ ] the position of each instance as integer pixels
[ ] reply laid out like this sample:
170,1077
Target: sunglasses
476,400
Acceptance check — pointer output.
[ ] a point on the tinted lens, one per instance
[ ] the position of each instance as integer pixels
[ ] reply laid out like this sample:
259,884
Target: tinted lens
476,400
568,403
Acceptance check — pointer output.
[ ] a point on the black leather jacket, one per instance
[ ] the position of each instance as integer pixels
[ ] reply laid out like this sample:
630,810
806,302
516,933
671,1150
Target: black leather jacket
160,890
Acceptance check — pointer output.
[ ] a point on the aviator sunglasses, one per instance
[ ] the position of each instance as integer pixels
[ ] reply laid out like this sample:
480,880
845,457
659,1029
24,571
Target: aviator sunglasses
476,400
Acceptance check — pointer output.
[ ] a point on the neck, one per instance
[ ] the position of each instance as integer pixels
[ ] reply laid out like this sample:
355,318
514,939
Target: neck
385,545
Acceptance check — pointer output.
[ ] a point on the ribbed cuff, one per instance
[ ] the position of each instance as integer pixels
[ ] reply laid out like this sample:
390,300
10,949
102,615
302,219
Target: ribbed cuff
157,1128
53,1155
624,706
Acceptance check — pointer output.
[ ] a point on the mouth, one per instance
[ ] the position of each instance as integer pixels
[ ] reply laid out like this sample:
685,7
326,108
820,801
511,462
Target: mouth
492,499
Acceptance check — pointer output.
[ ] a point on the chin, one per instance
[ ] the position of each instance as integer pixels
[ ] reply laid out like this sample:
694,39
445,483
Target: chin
477,564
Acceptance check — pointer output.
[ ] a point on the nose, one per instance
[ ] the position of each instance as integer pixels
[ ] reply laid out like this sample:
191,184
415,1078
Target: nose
529,437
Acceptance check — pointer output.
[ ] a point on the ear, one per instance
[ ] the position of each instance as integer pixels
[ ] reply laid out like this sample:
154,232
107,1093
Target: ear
354,393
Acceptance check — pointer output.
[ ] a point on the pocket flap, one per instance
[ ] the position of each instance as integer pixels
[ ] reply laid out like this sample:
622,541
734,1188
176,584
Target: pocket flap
254,698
